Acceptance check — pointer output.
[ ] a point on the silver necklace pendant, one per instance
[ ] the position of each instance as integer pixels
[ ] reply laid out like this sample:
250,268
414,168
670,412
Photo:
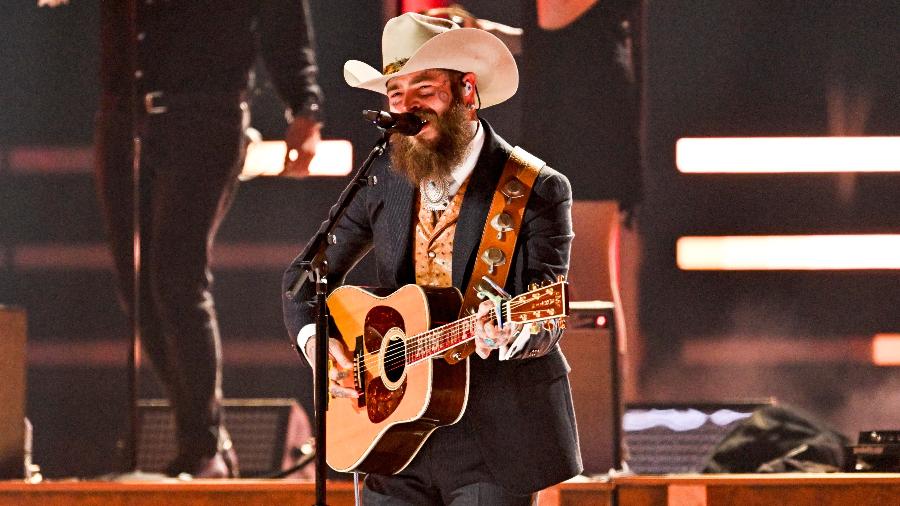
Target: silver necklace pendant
435,194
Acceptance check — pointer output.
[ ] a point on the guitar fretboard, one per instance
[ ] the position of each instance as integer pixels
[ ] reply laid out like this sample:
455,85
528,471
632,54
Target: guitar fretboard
440,339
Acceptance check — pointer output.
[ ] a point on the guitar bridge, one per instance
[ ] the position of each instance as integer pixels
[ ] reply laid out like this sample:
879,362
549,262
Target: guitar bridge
359,374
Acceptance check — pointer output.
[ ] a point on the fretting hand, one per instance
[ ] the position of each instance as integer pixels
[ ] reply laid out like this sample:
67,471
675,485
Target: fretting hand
488,335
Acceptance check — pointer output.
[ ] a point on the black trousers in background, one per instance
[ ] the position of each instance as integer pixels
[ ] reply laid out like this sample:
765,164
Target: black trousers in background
190,159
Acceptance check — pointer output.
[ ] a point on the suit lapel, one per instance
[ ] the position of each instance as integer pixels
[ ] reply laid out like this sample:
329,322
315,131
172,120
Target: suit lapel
476,203
398,213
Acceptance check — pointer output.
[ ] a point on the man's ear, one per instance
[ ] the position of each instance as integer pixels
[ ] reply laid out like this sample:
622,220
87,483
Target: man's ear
470,90
468,85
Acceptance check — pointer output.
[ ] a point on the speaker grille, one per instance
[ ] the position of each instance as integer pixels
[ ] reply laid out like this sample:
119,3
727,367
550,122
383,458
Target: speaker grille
267,434
670,438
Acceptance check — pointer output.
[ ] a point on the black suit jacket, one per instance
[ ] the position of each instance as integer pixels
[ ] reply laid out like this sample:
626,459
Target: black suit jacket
521,409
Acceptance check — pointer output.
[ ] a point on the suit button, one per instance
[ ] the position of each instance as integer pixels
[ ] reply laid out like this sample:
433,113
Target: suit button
432,254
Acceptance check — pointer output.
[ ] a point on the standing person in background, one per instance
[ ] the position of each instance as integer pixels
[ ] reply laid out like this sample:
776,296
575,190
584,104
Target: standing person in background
596,40
595,46
175,75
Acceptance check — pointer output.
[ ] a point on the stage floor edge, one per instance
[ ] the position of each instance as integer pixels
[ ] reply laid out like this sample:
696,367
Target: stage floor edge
682,490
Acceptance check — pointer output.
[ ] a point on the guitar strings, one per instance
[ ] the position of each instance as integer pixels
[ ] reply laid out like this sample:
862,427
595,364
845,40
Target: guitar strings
425,340
433,335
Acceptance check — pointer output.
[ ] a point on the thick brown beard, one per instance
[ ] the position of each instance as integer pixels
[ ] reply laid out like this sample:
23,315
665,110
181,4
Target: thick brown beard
417,160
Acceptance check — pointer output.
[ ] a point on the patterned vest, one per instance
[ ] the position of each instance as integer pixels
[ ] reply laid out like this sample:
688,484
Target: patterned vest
433,242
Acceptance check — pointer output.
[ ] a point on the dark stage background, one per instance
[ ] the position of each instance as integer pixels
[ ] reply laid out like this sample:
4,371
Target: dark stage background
723,68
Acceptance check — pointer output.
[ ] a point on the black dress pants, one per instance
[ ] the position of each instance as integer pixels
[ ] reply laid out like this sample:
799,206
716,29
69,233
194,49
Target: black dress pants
190,158
449,469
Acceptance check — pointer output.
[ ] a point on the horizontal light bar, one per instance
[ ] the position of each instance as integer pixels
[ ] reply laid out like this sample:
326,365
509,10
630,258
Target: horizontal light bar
266,158
784,252
886,349
772,350
51,159
96,256
245,351
334,157
787,154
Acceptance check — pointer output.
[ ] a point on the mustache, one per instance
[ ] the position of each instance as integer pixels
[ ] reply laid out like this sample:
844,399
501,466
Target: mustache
426,114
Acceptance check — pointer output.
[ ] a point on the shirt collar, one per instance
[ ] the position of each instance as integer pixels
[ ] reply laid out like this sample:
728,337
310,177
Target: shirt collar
465,168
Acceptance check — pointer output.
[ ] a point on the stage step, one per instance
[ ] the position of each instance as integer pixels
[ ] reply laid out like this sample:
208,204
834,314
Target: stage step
171,493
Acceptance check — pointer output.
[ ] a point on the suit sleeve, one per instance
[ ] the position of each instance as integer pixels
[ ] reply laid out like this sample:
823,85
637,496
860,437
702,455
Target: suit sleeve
354,240
287,47
546,244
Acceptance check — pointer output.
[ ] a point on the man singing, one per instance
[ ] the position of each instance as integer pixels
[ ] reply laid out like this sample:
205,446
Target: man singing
423,221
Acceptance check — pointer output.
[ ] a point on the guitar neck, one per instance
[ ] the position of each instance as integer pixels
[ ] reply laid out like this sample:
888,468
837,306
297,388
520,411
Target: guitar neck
541,303
438,340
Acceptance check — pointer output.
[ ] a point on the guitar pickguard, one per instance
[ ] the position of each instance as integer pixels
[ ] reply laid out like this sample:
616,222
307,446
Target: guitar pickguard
384,323
382,401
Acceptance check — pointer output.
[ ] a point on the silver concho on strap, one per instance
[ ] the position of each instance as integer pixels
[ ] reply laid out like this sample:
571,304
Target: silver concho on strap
513,189
502,223
435,194
493,257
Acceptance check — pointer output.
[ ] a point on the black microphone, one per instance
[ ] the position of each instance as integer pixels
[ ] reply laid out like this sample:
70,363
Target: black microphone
403,123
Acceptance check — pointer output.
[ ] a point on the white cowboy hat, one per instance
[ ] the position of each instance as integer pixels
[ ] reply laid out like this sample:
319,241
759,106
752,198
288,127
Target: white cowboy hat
413,42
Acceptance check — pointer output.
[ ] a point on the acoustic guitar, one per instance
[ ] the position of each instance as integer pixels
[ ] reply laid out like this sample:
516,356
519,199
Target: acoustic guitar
406,388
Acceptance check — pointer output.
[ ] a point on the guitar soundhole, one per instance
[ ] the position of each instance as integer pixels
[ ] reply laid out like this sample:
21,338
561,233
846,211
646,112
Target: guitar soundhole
395,359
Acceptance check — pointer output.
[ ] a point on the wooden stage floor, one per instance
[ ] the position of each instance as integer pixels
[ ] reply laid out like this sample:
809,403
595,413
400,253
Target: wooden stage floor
682,490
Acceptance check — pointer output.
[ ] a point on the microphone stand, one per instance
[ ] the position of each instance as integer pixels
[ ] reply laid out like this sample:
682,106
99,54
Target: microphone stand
313,264
134,350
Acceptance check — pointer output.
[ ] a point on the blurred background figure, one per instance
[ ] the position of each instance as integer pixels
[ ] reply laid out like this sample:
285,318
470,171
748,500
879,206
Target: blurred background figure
592,128
174,80
511,36
601,103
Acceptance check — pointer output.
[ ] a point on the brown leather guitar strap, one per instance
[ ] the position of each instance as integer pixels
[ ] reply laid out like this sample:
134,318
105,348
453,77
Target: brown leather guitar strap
501,231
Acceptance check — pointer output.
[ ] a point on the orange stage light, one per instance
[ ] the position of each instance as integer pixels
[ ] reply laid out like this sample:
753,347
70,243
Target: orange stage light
266,158
886,349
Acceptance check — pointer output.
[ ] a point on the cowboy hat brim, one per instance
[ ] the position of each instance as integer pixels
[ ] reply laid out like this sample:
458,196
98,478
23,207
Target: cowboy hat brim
463,49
